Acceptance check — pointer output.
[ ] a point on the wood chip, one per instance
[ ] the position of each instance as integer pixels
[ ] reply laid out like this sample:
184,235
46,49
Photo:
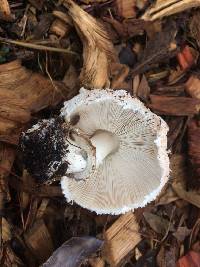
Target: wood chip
126,8
177,106
193,87
39,241
120,239
59,28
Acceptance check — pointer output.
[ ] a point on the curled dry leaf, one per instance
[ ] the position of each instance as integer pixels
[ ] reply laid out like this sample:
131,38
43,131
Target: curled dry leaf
163,8
73,252
22,93
98,50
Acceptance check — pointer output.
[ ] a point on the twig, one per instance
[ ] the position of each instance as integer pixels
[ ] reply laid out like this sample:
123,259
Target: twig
38,47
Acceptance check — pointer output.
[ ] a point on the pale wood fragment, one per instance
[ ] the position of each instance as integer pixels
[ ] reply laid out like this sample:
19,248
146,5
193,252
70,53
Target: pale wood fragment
120,239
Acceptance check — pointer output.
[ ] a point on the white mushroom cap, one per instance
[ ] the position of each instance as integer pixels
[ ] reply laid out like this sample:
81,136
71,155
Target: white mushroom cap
133,175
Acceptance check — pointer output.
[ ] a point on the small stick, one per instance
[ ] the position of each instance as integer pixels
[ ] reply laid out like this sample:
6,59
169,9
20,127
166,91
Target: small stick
38,47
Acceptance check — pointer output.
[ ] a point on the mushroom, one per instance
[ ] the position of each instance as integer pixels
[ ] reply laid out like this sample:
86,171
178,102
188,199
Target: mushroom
130,141
114,151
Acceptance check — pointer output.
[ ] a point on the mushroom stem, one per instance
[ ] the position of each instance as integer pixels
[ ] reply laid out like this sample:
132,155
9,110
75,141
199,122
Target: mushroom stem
102,142
105,143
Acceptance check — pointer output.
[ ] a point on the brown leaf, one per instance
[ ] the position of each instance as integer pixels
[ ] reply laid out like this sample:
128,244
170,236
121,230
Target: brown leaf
157,223
177,106
73,252
191,259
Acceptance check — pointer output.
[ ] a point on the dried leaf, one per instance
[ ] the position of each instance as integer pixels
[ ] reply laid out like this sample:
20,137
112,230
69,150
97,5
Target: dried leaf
126,8
191,259
176,106
98,50
73,252
157,223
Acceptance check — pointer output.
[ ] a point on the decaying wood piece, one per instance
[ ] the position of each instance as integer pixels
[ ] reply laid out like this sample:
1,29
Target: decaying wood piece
177,106
163,8
39,241
22,93
98,50
120,239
